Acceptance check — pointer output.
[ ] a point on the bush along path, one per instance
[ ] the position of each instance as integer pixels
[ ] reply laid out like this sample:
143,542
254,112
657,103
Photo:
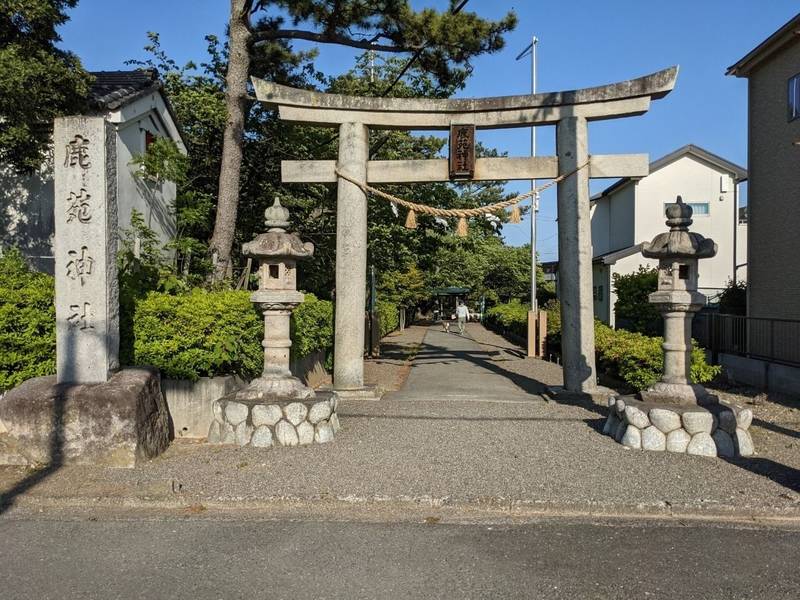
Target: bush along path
633,358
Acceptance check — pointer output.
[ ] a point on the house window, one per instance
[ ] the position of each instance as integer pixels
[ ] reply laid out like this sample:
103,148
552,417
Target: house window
698,208
794,97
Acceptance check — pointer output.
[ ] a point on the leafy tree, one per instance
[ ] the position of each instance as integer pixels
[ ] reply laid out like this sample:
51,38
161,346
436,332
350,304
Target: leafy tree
394,250
39,81
632,309
442,42
197,93
733,299
403,288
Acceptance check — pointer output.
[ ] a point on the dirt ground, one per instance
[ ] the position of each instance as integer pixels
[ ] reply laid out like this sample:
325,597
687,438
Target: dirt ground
390,370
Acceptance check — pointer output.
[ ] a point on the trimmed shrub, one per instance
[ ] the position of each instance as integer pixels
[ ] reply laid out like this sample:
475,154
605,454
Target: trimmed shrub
208,333
388,316
312,327
632,309
27,322
198,334
638,360
553,310
733,299
189,335
634,358
511,318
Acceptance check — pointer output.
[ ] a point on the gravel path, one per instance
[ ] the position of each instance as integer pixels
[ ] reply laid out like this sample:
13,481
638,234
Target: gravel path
495,443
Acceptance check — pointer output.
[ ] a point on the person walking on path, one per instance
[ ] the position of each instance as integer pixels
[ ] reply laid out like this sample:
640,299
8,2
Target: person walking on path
462,314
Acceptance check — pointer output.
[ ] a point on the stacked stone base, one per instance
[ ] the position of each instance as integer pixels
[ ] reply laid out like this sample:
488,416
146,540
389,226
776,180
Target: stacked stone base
267,423
712,430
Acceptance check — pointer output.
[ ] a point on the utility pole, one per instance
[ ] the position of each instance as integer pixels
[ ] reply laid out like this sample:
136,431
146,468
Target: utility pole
534,312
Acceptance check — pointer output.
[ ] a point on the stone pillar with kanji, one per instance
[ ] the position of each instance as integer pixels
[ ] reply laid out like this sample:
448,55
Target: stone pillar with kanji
85,246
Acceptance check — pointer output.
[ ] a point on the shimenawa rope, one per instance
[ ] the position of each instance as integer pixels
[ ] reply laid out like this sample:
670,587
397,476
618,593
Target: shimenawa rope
462,214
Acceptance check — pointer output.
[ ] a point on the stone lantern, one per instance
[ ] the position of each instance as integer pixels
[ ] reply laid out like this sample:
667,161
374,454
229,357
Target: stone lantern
276,407
675,414
677,299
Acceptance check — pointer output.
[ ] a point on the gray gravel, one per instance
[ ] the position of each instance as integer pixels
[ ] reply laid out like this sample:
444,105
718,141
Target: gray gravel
459,433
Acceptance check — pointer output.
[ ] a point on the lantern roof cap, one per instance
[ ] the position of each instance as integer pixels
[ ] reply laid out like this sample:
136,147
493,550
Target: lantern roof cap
679,242
277,215
277,243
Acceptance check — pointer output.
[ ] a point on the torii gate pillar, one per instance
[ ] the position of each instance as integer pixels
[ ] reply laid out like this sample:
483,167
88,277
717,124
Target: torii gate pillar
351,259
575,257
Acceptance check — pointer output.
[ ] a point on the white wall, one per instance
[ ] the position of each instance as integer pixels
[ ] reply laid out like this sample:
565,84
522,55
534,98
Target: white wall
154,201
26,214
601,292
741,253
27,202
695,181
613,220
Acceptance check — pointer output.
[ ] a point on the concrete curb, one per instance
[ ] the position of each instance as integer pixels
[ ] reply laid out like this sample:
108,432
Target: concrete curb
401,509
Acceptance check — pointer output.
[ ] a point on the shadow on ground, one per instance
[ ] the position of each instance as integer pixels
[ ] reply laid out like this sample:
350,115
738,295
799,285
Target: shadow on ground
7,497
784,475
432,354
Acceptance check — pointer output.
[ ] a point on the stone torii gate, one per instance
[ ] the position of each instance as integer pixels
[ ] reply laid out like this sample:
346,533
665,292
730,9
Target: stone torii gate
569,111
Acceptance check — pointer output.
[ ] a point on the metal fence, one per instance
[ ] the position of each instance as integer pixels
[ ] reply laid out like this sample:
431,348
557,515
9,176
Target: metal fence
773,340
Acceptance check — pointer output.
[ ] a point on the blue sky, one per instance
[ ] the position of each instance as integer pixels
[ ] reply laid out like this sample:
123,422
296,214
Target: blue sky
582,43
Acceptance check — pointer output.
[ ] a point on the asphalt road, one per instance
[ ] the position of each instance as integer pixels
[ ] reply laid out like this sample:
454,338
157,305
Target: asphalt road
203,558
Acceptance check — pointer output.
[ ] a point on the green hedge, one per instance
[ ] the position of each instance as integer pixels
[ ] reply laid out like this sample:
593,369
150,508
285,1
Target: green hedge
189,335
197,334
312,327
634,358
638,359
207,333
511,318
632,309
388,316
27,322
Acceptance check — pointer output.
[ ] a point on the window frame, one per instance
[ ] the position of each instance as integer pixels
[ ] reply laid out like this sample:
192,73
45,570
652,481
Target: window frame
694,208
793,97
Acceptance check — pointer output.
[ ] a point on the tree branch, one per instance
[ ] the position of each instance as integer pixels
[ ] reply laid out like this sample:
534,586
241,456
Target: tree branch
263,37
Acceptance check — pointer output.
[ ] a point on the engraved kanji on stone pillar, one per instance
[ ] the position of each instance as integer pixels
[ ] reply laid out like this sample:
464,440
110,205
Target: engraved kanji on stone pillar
87,297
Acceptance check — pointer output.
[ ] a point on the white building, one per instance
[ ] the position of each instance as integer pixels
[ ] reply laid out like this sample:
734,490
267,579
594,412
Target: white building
630,212
134,102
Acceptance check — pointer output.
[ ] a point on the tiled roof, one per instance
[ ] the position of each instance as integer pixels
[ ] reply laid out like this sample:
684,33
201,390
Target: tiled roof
113,89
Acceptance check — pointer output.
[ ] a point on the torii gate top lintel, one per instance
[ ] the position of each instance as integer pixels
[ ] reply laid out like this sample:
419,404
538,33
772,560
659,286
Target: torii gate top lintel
624,98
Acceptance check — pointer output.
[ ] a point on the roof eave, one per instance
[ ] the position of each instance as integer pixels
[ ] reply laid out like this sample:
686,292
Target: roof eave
787,33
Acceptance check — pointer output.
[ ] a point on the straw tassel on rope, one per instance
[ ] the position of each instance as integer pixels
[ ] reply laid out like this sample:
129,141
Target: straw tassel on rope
411,220
462,228
462,214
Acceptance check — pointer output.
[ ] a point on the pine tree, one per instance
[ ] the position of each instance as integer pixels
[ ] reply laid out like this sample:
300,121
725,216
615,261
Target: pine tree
441,42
